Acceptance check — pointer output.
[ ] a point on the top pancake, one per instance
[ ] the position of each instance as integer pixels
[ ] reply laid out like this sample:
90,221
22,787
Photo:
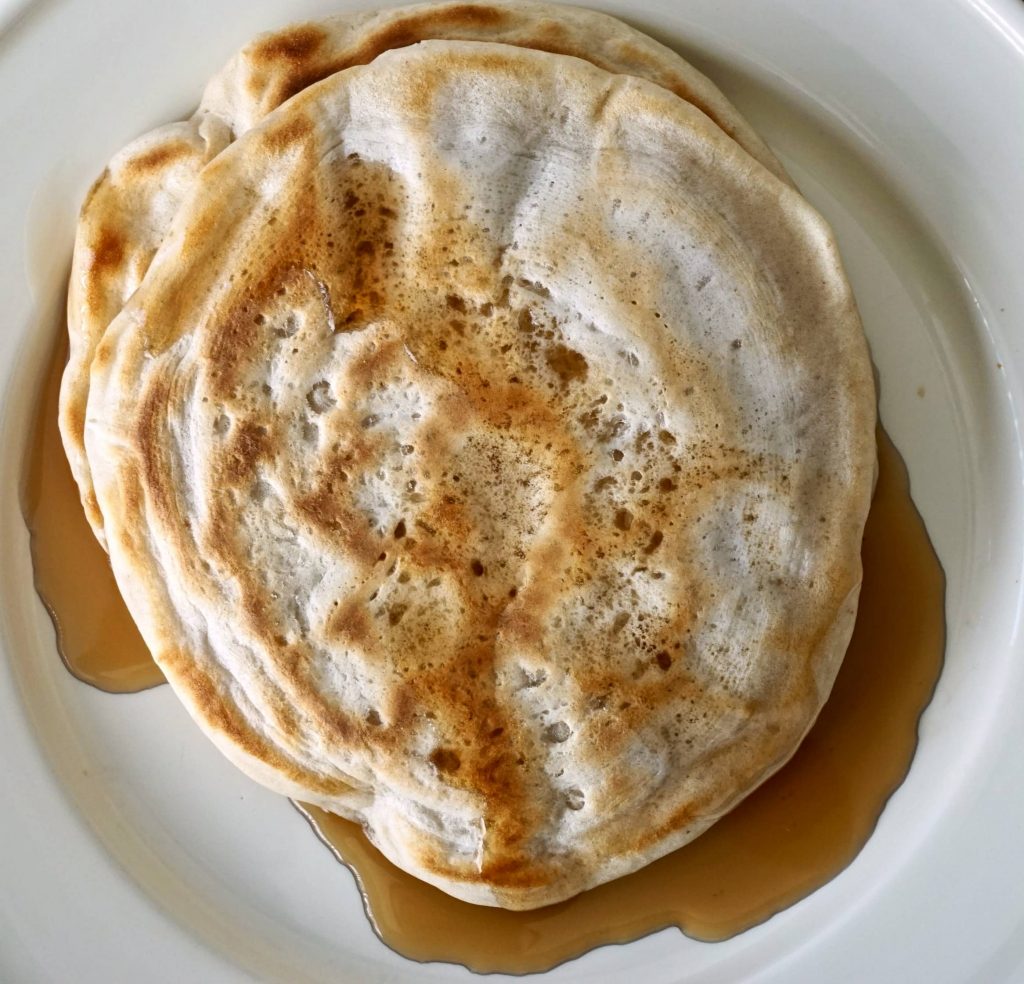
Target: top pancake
130,208
485,458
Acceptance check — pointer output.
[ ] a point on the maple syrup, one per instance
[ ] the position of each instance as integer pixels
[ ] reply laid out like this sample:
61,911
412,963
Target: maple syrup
789,837
96,636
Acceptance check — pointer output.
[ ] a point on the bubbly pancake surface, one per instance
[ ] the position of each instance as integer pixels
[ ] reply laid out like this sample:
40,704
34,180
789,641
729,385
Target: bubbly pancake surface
485,458
129,210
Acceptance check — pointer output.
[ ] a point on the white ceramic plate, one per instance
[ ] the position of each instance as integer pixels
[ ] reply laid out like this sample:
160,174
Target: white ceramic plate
130,851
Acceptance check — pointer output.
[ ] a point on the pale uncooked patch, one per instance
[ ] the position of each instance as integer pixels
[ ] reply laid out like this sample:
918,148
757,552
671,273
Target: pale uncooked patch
485,458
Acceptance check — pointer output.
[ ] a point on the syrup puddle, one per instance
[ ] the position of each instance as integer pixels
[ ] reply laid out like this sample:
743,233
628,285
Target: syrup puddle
792,835
96,636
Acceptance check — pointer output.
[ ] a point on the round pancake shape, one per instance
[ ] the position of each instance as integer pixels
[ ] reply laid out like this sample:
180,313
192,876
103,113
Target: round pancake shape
485,458
130,208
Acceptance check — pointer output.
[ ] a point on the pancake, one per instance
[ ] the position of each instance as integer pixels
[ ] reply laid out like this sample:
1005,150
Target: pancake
129,210
485,457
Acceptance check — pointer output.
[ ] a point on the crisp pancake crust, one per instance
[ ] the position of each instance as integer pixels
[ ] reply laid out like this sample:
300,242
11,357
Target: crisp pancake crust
130,209
485,458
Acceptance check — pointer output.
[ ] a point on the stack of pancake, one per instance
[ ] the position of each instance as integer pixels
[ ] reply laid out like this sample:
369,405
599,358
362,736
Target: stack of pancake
481,430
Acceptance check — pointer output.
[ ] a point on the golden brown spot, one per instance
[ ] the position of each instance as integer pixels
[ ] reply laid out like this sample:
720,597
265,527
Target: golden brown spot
157,158
250,443
74,418
156,476
469,15
339,284
280,138
108,251
292,45
329,508
351,624
298,46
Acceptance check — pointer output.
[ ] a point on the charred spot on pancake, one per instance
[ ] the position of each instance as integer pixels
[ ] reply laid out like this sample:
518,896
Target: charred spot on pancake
568,364
445,760
654,542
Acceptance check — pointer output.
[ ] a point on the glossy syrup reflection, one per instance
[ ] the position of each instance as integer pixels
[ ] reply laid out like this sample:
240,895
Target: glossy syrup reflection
788,838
